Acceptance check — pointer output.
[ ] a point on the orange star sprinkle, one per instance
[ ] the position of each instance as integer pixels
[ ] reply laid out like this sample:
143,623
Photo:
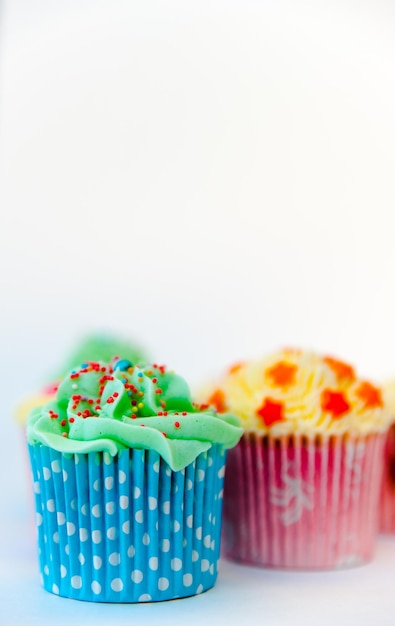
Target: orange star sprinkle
343,371
282,373
370,395
334,402
235,367
217,399
271,412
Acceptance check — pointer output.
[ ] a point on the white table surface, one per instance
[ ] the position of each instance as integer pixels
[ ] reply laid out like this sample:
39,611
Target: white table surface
363,596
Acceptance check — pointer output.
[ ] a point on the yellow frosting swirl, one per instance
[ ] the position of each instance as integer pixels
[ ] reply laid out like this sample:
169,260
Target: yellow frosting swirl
389,397
300,392
27,405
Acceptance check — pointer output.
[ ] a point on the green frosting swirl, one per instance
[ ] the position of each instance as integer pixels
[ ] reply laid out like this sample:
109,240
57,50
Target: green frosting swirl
103,407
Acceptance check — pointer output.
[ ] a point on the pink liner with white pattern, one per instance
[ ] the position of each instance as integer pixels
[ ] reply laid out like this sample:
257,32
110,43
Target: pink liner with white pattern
296,503
387,497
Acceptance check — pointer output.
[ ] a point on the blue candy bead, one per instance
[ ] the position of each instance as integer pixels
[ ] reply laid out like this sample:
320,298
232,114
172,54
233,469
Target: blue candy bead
122,365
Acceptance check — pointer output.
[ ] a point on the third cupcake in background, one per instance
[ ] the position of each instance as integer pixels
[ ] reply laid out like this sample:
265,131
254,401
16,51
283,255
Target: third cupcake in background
302,487
94,347
387,498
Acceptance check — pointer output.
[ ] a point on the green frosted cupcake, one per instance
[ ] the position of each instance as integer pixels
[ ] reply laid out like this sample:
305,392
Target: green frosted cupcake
128,480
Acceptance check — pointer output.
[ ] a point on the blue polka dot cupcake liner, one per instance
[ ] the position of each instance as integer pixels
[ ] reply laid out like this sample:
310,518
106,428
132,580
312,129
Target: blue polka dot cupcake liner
127,528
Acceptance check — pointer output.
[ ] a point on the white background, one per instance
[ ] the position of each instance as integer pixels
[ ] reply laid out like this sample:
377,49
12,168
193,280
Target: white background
215,179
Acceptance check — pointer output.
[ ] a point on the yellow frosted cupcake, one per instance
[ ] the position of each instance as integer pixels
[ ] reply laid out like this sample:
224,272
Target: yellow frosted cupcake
302,487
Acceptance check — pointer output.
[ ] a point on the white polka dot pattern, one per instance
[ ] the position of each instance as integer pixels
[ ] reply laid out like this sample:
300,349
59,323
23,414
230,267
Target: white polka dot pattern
114,558
76,582
131,551
97,562
110,508
109,482
96,510
96,587
137,576
145,597
126,527
110,530
124,502
117,584
153,563
112,533
176,564
163,583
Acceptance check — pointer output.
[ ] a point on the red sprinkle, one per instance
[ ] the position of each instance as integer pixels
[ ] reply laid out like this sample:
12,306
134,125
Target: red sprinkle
64,434
177,424
63,423
71,420
115,394
110,400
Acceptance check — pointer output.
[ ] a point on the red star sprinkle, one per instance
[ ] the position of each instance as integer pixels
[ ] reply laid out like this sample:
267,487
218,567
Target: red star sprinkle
271,411
282,374
334,402
370,395
217,399
343,371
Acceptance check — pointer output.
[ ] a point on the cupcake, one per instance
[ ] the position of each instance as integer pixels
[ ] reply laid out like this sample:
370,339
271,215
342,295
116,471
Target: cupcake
387,497
302,487
100,347
128,481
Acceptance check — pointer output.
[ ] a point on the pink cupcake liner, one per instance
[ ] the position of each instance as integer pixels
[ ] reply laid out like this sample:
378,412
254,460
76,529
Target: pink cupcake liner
387,496
292,502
